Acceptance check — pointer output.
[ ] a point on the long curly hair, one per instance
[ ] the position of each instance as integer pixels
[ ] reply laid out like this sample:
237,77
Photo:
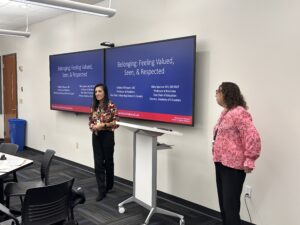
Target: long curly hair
96,103
232,95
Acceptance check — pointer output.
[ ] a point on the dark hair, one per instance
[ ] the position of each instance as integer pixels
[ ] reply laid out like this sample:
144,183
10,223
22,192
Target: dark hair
105,100
232,95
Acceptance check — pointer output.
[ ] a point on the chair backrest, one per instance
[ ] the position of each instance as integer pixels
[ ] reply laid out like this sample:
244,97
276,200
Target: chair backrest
45,166
9,148
48,204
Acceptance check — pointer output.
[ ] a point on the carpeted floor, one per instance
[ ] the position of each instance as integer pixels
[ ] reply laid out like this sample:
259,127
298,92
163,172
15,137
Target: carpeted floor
106,211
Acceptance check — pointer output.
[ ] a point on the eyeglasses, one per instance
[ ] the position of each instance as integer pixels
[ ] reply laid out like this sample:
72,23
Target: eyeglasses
219,90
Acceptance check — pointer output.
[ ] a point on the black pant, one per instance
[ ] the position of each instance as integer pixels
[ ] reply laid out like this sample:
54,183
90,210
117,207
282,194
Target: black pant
229,184
103,147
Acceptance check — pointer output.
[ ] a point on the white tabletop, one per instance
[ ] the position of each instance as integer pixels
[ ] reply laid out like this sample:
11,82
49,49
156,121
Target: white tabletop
12,163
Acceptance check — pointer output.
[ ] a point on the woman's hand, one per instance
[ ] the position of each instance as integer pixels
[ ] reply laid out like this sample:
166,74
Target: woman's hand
248,170
91,127
98,126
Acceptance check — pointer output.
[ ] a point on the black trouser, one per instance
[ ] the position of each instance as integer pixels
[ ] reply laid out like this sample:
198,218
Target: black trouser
103,147
229,184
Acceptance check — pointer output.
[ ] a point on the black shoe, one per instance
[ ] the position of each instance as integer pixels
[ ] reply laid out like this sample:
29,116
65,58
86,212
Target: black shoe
109,190
100,197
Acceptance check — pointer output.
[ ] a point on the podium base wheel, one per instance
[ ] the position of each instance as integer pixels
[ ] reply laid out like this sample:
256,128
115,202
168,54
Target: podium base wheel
121,210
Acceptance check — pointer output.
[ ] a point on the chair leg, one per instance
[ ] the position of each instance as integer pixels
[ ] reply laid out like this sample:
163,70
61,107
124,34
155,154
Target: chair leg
15,177
21,199
7,201
72,214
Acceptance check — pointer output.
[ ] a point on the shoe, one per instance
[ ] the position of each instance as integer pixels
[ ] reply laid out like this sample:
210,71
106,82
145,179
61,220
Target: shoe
100,197
108,189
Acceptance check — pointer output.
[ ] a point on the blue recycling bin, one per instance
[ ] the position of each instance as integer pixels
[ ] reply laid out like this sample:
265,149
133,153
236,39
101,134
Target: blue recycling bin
17,132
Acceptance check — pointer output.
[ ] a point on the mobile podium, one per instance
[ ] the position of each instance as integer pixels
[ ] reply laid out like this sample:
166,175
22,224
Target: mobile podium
145,168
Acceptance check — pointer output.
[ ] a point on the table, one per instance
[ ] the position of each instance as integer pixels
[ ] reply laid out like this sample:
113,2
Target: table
9,165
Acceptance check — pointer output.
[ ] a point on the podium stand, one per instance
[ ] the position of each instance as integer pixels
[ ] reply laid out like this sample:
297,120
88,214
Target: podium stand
145,169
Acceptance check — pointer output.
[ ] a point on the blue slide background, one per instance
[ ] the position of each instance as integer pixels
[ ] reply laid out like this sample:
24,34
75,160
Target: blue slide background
91,64
181,73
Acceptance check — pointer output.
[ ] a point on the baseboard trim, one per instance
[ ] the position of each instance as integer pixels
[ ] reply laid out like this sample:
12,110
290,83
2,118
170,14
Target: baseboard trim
190,205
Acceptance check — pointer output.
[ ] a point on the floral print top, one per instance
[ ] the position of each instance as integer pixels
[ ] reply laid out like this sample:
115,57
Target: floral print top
237,143
108,115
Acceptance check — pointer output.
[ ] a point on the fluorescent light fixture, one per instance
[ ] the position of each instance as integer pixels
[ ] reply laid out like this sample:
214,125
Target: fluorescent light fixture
14,33
72,6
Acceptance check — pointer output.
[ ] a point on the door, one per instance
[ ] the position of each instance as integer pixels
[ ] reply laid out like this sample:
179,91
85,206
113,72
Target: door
9,91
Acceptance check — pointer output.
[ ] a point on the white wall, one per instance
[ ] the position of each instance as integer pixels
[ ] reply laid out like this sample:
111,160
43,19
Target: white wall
253,43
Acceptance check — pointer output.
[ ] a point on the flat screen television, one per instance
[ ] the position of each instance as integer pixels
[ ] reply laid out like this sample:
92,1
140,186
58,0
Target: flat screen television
72,79
153,81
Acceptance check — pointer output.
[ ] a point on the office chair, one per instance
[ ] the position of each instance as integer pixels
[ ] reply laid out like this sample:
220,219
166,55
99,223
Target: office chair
20,188
9,148
44,206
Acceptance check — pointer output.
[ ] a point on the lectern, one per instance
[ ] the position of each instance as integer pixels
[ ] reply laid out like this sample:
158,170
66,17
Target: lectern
145,168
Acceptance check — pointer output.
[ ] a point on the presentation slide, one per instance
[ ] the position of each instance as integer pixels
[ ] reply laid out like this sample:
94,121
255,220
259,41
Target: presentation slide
153,81
72,79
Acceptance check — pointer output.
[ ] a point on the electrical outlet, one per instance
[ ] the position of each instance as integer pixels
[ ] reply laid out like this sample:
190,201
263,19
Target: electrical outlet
44,137
248,191
77,145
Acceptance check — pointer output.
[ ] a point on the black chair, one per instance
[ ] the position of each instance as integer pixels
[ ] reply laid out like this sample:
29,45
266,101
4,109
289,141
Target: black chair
44,206
9,148
20,188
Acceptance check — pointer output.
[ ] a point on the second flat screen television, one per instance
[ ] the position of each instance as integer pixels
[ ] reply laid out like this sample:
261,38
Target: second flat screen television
72,79
153,81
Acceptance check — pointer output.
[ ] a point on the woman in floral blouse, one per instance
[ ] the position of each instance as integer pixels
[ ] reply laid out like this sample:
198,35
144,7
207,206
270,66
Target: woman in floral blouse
102,123
236,146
